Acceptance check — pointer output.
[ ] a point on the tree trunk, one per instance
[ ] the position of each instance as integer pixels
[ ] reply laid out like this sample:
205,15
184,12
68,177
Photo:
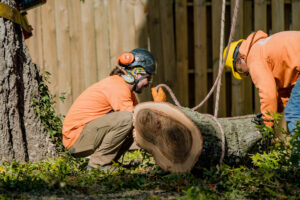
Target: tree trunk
22,136
164,131
241,136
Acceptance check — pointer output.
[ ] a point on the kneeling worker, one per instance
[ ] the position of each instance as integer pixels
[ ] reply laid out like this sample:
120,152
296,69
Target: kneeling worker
273,63
99,123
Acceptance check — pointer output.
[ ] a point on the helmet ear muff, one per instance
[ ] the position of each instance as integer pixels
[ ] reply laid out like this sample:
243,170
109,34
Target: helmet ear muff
128,78
125,59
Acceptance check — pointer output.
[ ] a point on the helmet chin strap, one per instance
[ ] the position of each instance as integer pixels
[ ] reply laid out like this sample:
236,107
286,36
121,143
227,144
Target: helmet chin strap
136,81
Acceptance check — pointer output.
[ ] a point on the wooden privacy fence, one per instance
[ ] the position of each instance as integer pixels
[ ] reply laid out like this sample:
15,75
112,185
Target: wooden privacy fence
78,43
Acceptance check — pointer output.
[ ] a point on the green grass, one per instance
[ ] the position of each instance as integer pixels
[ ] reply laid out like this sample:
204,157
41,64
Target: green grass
139,177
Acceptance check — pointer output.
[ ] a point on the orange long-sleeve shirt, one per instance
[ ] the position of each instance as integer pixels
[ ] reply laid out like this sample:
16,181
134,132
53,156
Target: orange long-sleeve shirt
274,66
111,93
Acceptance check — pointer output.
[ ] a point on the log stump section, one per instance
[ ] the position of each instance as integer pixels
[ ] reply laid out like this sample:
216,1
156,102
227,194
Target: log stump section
179,137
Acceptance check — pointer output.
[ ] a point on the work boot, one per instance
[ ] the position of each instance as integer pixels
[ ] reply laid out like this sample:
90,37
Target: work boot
108,168
89,168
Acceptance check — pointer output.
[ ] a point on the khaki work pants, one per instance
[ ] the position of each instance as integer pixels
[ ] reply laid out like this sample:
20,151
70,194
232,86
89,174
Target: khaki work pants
105,139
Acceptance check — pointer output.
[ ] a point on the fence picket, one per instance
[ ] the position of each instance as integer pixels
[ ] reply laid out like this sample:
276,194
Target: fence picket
102,38
89,61
63,55
76,49
34,43
200,49
168,45
296,15
248,85
48,26
277,16
182,50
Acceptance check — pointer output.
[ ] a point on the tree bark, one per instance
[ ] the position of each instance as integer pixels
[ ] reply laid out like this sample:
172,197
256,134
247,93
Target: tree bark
154,131
241,137
22,136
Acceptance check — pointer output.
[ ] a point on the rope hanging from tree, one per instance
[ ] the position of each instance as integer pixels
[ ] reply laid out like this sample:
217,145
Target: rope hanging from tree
218,79
220,58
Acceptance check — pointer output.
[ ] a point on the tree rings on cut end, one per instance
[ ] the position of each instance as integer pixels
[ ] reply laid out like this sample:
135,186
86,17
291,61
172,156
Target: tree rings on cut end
168,134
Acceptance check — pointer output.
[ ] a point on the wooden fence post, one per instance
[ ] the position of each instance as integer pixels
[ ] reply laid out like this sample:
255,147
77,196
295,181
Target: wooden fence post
49,45
296,15
122,28
200,48
63,55
182,51
168,44
248,85
89,61
76,49
35,43
277,16
154,28
102,38
260,15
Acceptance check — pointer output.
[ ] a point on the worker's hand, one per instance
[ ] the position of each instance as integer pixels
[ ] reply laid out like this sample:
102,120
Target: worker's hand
258,120
158,96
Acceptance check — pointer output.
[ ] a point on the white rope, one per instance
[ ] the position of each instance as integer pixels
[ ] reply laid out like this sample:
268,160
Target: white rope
220,57
219,83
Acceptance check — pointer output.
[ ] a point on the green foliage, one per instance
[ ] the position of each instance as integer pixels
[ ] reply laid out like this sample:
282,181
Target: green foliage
44,106
267,160
276,151
275,174
246,183
66,175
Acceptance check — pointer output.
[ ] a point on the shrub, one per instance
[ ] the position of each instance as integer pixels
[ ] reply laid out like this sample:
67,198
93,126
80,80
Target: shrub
44,106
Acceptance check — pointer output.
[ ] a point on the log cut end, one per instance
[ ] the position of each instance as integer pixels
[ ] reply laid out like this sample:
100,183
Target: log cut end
169,135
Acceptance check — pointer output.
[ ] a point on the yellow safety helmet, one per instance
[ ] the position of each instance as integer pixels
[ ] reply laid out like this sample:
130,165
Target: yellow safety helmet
230,59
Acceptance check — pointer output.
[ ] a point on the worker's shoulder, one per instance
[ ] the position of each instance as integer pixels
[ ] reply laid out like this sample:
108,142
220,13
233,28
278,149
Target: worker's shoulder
286,37
113,80
110,82
287,33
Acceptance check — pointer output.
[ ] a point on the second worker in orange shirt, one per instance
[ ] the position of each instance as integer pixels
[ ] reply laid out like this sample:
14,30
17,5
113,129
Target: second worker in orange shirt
273,63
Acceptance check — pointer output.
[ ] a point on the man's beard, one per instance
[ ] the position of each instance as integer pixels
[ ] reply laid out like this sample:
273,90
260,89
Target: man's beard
138,90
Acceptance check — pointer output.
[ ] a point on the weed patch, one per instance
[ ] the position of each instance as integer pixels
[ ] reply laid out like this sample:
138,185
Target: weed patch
67,177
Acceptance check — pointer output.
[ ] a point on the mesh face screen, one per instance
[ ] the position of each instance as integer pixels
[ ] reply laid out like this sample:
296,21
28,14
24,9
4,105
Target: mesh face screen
137,70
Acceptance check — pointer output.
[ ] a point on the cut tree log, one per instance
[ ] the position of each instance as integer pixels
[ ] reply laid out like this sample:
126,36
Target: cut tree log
179,137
